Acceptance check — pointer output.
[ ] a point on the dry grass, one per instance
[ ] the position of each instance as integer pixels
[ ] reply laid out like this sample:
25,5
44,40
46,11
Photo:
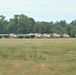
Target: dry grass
38,56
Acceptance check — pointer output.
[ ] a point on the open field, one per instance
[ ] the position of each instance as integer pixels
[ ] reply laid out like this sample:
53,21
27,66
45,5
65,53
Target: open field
38,56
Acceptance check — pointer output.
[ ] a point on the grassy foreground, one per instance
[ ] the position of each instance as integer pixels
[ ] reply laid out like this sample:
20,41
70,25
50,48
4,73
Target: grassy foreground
38,56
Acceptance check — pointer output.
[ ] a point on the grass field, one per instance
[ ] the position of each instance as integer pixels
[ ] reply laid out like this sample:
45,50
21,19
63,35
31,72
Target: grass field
38,56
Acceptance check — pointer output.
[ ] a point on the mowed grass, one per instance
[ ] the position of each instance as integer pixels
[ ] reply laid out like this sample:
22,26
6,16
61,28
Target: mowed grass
38,56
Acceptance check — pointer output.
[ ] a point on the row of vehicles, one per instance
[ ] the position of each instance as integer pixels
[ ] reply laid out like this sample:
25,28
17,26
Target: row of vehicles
34,35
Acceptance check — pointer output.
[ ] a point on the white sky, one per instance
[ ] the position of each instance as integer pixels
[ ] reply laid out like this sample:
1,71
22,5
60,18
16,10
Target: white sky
40,10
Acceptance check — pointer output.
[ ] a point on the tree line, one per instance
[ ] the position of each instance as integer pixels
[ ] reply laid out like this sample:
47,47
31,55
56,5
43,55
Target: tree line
22,24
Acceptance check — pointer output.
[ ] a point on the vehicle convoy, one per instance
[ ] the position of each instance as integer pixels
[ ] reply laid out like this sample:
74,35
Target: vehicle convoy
34,35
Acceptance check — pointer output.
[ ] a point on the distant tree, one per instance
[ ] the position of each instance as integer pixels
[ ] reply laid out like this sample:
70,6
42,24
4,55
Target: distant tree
73,31
73,22
13,24
60,29
63,23
3,25
32,25
23,24
40,27
48,27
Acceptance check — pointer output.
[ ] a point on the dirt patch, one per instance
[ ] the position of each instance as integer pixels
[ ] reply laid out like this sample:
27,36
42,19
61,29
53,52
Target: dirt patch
39,67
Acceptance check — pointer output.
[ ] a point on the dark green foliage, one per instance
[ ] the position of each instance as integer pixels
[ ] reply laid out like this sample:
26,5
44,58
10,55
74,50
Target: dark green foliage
3,25
22,24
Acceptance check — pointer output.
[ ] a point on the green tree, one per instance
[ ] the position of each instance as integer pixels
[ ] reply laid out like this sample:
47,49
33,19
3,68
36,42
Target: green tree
23,24
13,24
73,31
73,23
3,25
32,25
40,27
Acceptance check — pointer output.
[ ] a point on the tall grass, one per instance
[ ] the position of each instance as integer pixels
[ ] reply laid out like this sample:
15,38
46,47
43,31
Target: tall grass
38,56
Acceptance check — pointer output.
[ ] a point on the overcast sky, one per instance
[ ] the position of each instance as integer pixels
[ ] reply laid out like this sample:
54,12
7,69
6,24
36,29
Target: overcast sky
40,10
